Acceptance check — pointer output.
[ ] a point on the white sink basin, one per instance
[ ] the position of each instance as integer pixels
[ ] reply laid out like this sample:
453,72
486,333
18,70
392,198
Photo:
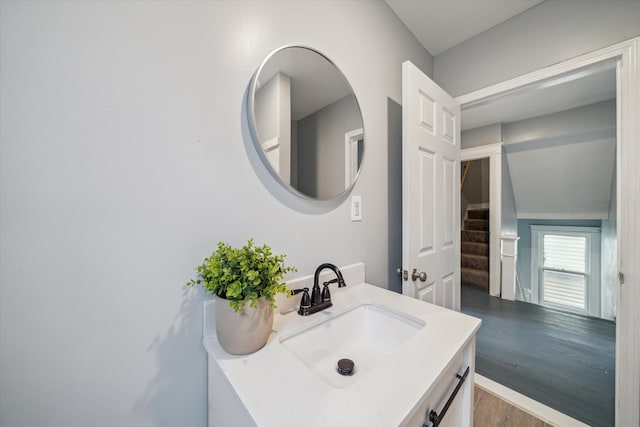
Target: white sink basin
366,334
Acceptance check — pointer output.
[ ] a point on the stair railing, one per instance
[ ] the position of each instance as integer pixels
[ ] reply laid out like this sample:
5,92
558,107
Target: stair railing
464,173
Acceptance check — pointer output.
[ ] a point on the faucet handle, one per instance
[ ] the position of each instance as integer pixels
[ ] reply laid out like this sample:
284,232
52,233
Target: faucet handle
326,295
305,302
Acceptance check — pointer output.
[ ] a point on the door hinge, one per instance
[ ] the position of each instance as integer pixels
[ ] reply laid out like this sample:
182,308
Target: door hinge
620,277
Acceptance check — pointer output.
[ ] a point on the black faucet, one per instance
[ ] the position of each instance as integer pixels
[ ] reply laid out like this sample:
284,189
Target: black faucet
318,300
331,267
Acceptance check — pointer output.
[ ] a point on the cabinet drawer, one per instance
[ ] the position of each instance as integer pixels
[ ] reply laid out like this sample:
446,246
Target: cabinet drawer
459,412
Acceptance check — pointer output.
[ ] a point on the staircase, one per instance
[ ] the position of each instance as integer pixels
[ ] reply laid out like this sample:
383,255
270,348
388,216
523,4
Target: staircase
475,249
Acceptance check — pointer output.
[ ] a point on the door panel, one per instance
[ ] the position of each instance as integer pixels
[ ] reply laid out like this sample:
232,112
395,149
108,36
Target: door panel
431,196
449,290
427,196
427,293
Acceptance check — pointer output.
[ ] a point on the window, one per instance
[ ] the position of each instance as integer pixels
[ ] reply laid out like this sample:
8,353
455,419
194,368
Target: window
565,266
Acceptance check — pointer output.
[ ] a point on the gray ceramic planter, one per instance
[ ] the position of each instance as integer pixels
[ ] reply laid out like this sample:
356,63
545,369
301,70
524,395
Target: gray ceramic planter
244,332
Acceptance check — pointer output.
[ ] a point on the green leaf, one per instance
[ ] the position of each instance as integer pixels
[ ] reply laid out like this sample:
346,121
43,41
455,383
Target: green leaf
243,274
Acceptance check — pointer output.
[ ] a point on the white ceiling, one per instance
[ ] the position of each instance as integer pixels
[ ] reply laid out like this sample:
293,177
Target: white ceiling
440,25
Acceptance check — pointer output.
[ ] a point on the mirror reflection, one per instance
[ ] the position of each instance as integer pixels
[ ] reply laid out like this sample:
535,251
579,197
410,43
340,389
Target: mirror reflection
306,123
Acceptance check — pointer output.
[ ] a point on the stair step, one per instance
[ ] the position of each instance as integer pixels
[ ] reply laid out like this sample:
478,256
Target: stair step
477,262
473,248
475,236
478,214
477,278
476,224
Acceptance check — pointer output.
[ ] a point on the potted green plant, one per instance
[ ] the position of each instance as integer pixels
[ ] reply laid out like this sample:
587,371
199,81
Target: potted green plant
245,281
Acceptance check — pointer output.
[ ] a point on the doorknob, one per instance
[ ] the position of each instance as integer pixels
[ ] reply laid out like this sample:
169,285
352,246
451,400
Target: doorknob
421,275
402,273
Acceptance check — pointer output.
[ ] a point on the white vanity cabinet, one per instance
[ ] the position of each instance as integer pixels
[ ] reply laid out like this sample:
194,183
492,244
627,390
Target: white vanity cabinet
225,407
275,387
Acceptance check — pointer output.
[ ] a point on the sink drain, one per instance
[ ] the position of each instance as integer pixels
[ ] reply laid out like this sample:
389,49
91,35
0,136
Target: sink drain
345,367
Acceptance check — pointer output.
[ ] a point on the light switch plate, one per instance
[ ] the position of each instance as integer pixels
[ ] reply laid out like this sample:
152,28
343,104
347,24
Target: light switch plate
356,208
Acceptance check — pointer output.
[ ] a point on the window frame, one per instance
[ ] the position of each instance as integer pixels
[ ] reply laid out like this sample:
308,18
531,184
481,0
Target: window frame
592,266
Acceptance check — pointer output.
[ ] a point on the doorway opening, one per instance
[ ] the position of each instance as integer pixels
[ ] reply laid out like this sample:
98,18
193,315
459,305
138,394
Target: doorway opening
475,213
560,169
482,193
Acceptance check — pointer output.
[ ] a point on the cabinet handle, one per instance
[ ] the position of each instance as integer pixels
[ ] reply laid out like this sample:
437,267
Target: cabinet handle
433,415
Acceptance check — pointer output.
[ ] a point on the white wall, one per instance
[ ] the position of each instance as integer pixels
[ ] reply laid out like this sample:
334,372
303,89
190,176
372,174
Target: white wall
321,147
580,140
575,125
490,134
124,160
548,33
571,154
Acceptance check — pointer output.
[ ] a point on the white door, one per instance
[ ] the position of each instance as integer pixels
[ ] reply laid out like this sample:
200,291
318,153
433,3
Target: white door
430,190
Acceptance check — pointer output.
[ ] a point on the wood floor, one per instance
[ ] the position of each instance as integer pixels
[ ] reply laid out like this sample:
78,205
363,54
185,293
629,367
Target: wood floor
491,411
564,361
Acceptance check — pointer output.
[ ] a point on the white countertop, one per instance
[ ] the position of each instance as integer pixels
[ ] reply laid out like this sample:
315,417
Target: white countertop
277,389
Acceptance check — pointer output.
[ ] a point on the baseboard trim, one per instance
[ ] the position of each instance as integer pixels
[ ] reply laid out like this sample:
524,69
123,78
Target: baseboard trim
520,401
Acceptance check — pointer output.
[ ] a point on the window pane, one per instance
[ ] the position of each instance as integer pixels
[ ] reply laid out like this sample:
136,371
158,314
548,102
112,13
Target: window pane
564,288
565,252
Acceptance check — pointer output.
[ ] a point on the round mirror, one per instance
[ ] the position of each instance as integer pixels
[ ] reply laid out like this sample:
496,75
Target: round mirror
306,123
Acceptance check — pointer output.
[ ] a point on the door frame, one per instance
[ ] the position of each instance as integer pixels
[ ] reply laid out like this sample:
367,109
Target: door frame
351,139
494,153
626,54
